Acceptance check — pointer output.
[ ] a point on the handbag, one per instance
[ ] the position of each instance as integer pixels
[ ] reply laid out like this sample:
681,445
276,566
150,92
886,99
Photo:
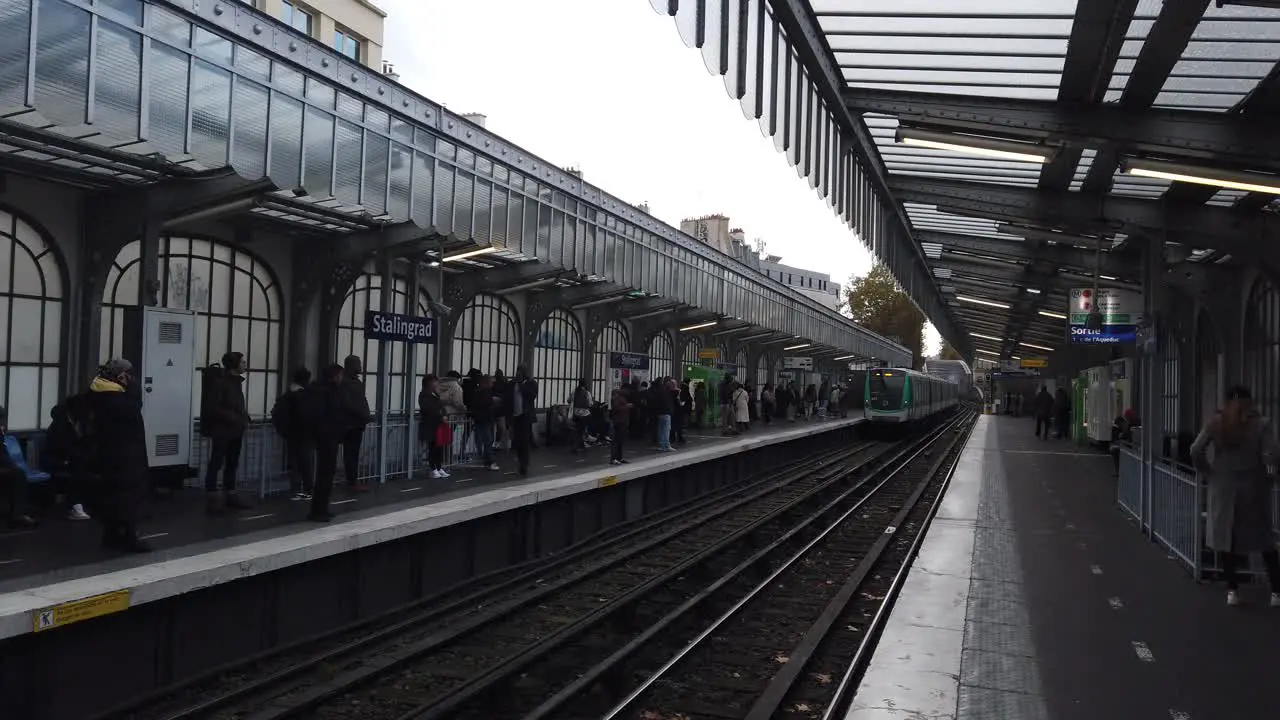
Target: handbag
444,434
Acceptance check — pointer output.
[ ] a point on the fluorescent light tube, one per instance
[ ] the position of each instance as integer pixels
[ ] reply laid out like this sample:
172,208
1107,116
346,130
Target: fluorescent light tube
797,347
980,301
972,145
471,253
1232,180
699,326
1054,315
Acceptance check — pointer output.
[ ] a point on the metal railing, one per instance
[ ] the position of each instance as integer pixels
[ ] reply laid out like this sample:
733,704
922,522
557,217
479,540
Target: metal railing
264,466
1168,500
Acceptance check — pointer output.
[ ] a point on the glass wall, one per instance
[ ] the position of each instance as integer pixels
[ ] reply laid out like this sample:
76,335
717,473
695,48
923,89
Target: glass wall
487,337
235,296
691,347
661,356
1262,347
366,294
557,357
31,319
613,338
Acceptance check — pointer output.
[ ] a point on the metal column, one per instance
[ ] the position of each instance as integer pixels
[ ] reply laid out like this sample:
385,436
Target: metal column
411,378
387,297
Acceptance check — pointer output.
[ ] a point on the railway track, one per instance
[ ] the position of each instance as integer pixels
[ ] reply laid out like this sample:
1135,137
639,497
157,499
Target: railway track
487,622
776,646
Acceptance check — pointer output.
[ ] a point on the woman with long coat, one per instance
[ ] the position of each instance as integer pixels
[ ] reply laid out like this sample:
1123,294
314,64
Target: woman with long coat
1244,452
741,410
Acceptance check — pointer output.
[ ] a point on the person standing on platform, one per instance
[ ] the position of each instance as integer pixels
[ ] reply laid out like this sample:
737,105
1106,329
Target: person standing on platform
117,442
699,403
1241,474
661,404
224,418
766,403
433,428
482,408
1061,414
359,416
620,417
521,398
741,411
724,399
502,437
300,445
1043,407
681,401
327,415
580,400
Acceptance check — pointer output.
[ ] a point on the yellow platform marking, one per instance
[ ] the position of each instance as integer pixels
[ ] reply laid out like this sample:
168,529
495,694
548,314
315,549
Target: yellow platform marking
78,610
607,481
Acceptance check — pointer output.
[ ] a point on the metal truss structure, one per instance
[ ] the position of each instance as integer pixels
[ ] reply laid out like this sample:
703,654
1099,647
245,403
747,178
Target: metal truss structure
163,108
1092,83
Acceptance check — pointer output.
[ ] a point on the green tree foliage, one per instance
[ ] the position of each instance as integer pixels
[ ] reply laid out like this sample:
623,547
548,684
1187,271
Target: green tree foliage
948,352
875,302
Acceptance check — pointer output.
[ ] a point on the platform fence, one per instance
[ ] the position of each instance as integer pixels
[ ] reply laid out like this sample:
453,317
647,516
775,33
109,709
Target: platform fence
264,459
1169,504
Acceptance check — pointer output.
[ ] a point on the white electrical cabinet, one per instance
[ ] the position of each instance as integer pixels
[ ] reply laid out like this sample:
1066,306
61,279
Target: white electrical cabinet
166,371
1097,404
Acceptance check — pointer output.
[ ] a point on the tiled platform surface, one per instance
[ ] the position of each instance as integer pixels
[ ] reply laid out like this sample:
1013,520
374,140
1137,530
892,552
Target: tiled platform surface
221,550
1034,598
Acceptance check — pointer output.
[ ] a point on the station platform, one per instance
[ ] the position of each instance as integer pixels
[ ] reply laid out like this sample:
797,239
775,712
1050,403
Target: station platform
1033,597
226,589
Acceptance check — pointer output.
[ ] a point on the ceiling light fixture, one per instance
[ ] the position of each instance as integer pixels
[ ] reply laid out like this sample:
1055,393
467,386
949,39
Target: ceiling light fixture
1232,180
1054,315
986,337
699,326
980,301
1036,347
987,352
797,347
845,357
471,253
975,145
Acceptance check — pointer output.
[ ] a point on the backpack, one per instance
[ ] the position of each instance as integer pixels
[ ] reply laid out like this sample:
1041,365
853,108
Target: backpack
208,394
282,414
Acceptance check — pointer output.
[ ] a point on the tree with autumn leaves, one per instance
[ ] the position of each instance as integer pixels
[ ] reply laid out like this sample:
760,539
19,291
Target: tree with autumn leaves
875,302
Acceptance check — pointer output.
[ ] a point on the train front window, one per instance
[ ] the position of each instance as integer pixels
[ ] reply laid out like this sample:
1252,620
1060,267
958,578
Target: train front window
886,389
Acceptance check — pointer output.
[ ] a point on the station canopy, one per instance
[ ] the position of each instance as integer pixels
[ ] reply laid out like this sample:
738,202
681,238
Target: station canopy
1021,148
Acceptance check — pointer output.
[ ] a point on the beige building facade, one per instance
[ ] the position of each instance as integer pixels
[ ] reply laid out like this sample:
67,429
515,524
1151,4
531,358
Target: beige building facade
352,27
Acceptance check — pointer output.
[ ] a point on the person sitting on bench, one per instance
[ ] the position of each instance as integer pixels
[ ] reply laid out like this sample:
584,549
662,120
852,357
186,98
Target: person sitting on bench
13,482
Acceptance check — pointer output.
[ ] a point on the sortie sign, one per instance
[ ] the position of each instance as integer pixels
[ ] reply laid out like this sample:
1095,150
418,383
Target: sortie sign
399,328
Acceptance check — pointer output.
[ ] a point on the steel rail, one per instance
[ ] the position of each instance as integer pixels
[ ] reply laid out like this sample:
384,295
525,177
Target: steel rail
585,680
387,662
389,625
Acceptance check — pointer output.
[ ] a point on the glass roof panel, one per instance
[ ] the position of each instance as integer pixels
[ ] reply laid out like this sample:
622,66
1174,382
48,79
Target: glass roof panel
1226,32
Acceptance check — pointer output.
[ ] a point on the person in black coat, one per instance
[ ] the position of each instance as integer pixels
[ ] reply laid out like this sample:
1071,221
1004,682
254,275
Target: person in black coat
117,438
327,417
358,415
522,398
62,454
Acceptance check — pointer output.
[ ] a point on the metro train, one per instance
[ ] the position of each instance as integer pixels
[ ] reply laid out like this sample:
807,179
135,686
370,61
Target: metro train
899,395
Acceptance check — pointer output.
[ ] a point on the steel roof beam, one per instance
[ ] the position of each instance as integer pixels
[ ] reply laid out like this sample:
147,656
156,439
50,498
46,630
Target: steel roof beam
1243,141
1026,251
1165,43
806,37
1240,233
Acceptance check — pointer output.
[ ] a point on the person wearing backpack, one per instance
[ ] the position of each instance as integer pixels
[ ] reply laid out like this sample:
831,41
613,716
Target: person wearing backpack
326,414
581,415
300,444
224,418
117,438
359,417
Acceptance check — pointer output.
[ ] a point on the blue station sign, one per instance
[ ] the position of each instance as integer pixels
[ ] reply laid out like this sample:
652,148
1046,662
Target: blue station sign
628,361
391,327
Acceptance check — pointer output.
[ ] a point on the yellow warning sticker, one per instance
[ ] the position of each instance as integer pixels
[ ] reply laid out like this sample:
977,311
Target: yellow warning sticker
77,610
607,481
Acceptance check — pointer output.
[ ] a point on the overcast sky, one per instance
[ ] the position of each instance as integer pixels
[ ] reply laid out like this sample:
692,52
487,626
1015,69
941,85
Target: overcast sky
607,86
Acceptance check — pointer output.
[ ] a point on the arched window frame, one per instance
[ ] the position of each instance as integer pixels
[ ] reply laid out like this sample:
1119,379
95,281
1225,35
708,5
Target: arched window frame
365,294
661,356
241,302
613,337
487,337
691,348
557,356
32,292
1262,346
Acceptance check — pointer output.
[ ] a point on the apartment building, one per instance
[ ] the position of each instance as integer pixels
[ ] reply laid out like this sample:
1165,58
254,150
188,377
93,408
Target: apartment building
815,285
352,27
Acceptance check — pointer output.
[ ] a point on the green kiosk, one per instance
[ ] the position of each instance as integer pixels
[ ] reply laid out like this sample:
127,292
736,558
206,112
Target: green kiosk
710,377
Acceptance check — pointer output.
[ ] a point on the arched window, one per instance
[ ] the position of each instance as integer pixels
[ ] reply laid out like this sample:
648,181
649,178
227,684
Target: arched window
762,371
1208,368
31,314
691,347
1262,347
612,338
234,295
1169,350
660,356
744,372
487,337
557,357
402,372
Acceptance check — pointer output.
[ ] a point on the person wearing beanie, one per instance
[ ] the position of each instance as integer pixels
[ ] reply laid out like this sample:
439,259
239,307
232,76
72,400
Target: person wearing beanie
117,440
